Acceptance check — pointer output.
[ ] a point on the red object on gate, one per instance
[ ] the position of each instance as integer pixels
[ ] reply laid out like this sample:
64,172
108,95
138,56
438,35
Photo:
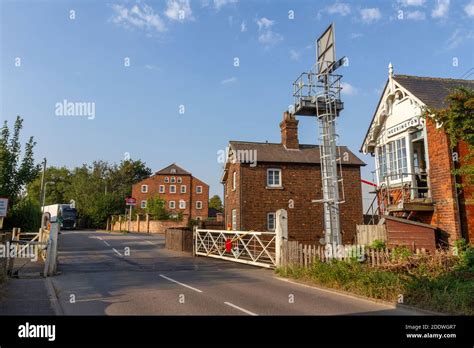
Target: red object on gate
228,245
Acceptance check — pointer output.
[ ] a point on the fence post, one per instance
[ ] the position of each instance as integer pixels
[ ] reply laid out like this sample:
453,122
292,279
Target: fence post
50,265
147,223
138,222
281,234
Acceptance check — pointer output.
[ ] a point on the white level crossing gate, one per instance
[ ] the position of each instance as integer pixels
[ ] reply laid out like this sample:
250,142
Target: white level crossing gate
249,247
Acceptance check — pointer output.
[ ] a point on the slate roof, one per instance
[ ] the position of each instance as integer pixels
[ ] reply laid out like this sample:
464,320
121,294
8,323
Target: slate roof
277,153
431,90
178,170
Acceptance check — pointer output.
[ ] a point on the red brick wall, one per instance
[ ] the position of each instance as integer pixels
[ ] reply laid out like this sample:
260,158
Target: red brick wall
466,197
443,192
232,197
302,184
189,197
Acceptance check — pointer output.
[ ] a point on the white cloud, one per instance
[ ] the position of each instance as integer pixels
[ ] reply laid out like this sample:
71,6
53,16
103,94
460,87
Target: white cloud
295,55
370,15
269,38
458,37
179,10
415,15
348,89
151,67
243,27
469,9
138,16
441,9
411,2
355,35
266,35
228,81
264,23
218,4
340,8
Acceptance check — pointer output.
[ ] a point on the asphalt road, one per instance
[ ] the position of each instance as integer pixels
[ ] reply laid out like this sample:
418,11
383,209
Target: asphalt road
99,277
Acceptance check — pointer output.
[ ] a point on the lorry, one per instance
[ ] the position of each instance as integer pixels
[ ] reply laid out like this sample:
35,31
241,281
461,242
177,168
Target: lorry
65,214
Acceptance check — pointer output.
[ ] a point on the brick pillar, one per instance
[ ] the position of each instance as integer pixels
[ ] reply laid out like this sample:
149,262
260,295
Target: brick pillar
443,192
289,131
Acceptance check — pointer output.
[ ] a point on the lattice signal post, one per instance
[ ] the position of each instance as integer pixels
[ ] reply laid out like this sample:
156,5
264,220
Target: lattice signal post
317,93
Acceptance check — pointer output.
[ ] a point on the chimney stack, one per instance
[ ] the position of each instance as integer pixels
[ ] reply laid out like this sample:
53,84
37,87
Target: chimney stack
289,131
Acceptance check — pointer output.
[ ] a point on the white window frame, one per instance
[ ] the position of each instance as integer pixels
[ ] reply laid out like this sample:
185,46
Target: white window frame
144,186
179,180
279,184
199,189
270,216
143,204
198,204
173,180
234,219
172,188
162,189
172,204
234,181
396,155
167,179
182,189
182,204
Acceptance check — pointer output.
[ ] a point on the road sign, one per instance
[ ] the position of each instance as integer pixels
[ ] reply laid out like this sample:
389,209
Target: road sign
326,50
3,206
130,201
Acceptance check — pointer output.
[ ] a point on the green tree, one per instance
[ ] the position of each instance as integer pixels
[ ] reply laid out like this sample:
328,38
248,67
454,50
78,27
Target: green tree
216,203
156,208
16,170
457,120
59,182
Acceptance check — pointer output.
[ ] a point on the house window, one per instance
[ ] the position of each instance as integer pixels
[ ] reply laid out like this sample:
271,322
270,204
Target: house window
162,189
234,180
180,180
173,179
198,205
167,180
143,204
271,221
274,177
234,219
182,204
172,204
183,188
172,188
198,189
144,188
392,160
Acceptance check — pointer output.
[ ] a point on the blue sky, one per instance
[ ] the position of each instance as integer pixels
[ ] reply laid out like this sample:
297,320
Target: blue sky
182,53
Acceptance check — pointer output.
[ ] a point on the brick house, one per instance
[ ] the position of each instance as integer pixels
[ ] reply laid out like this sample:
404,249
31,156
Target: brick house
414,161
182,192
260,178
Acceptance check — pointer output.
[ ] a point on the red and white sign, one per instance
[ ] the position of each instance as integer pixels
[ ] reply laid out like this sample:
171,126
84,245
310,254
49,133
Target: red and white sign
130,201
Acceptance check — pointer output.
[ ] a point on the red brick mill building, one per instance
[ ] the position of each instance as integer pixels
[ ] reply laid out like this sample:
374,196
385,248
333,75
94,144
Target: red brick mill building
181,191
286,175
414,163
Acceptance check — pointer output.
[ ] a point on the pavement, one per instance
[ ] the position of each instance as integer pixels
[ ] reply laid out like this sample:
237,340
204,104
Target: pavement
105,273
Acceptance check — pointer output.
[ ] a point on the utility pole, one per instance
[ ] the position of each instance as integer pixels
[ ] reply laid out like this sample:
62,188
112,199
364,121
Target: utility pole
41,197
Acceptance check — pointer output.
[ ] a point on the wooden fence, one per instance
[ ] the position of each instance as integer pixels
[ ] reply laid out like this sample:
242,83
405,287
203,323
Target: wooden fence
295,254
366,234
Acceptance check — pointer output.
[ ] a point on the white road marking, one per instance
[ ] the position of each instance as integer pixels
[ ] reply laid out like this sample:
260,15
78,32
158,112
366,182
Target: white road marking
240,309
117,251
147,241
106,243
175,281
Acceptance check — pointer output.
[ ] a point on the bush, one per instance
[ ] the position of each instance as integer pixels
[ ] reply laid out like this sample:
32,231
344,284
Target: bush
26,215
378,244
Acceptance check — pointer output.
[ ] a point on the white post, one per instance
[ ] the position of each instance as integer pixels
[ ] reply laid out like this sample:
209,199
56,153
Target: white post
281,231
52,252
